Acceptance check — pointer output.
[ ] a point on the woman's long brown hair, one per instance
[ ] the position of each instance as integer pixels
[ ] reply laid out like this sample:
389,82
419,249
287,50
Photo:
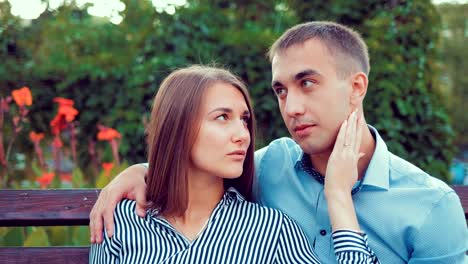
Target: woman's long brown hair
172,132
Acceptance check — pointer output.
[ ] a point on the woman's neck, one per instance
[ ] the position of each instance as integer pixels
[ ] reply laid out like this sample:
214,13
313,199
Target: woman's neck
204,193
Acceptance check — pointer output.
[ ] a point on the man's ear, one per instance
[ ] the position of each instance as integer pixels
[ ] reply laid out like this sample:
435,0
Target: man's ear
359,83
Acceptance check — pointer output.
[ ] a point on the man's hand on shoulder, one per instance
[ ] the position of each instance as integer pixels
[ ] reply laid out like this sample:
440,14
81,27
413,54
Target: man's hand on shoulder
129,184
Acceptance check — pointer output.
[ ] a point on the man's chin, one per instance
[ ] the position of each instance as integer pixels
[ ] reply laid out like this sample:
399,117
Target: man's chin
313,148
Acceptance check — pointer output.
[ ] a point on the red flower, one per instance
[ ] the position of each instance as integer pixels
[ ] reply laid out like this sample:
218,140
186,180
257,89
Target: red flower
22,96
63,101
65,111
45,179
58,124
108,134
35,137
65,177
69,112
107,167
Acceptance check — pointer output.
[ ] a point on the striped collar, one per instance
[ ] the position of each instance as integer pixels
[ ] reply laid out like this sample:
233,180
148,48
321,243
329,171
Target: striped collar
230,196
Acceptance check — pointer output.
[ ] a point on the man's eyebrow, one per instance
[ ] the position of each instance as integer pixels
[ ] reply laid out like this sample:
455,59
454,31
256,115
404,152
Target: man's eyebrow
297,77
276,84
305,73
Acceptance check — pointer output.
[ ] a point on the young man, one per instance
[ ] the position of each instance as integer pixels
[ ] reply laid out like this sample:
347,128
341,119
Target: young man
320,74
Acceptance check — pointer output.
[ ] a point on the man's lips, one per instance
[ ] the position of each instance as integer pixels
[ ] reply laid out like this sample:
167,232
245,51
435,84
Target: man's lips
303,130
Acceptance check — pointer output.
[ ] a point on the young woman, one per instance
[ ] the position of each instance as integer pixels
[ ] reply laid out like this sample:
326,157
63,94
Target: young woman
199,186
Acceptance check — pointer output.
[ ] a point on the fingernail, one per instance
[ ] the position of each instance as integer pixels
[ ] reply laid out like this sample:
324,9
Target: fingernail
91,239
141,212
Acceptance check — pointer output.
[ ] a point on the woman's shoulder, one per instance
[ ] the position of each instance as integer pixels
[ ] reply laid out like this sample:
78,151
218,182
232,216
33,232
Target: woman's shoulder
125,211
263,211
246,208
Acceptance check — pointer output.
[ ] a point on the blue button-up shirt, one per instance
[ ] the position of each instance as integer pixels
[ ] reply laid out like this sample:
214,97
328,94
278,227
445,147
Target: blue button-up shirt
409,216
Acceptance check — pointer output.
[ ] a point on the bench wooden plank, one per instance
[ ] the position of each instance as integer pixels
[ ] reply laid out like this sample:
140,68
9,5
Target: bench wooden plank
60,207
49,255
462,192
66,207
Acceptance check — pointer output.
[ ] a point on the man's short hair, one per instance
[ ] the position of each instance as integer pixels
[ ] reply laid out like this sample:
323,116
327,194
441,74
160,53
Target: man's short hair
344,44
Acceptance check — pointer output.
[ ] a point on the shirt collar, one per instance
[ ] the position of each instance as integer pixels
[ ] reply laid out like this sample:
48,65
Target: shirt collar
303,163
377,173
232,194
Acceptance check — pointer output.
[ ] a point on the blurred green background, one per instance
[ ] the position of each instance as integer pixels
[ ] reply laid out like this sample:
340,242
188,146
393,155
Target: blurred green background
110,59
111,66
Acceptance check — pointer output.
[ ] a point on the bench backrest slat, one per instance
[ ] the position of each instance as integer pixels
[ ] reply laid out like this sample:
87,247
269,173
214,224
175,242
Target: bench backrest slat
65,255
462,192
66,207
62,207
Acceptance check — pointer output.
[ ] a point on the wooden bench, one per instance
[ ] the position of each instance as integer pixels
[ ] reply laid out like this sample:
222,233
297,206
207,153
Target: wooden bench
69,207
66,208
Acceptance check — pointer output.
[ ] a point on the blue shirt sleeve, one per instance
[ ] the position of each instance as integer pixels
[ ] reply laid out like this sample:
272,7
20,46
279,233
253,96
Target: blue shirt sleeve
293,247
258,158
442,236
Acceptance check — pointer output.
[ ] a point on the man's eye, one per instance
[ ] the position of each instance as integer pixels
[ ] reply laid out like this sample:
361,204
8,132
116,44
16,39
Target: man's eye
307,83
280,91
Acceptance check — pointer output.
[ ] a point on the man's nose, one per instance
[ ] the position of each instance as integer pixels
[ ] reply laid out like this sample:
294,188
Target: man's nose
294,105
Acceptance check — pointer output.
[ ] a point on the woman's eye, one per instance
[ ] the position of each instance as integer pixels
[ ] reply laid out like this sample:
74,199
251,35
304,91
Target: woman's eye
222,117
246,119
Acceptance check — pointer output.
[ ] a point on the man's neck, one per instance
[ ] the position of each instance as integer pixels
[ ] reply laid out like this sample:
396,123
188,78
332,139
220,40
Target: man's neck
320,161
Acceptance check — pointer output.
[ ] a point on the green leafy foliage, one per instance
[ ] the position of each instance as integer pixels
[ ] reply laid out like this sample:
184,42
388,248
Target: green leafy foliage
455,63
12,236
106,176
113,71
38,237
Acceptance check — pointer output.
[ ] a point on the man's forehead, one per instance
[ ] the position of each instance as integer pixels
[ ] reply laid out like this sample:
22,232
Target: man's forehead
286,66
310,55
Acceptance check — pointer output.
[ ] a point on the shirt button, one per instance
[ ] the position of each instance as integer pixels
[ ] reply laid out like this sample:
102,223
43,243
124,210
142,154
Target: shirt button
323,232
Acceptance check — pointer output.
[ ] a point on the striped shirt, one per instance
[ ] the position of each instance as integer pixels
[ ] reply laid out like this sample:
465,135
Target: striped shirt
237,231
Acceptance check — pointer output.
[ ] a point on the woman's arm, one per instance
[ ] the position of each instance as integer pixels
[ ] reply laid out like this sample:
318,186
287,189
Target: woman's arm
294,248
341,175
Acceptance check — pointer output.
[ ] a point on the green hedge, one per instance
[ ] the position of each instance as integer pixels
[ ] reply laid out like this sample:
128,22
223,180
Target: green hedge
113,71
